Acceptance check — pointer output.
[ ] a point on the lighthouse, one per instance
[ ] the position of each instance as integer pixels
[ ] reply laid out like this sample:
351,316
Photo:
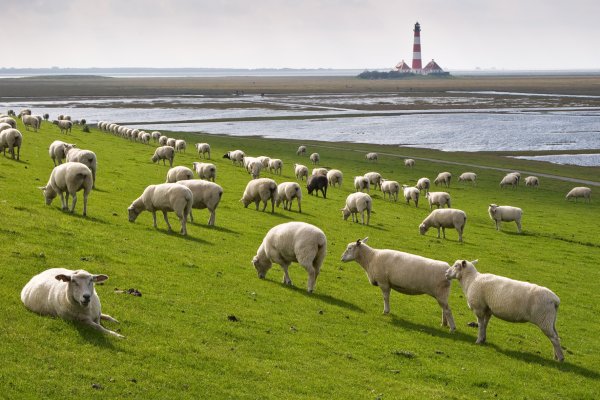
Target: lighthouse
416,62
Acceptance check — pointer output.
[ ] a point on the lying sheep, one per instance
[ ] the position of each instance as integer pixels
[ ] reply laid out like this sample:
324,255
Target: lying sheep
315,158
391,188
275,166
164,197
9,139
31,121
236,157
83,156
509,300
335,177
171,142
371,156
411,193
162,141
206,195
358,202
67,294
505,214
180,145
69,178
468,177
301,171
206,171
164,153
510,179
155,136
301,151
576,192
179,173
203,149
532,181
64,125
423,184
58,151
443,178
361,183
445,218
316,183
292,242
286,193
258,190
409,162
439,199
374,179
405,273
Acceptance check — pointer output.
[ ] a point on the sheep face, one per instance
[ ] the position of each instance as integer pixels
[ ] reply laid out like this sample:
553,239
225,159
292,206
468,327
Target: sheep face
345,213
49,194
423,229
227,156
154,158
80,287
132,213
261,266
456,271
352,250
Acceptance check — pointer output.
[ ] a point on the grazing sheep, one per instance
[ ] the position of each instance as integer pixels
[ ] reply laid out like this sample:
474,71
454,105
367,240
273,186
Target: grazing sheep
64,125
180,145
145,137
69,178
25,111
286,193
507,299
58,151
9,139
439,199
335,176
31,121
86,157
8,120
576,192
301,171
236,157
171,142
315,158
358,202
423,184
206,195
206,171
275,166
133,134
374,179
258,190
264,161
361,183
164,153
292,242
253,165
532,181
411,193
179,173
505,214
518,175
164,197
392,188
319,171
468,177
409,162
155,136
301,151
371,156
162,141
509,179
443,178
203,149
445,218
405,273
4,126
316,183
67,294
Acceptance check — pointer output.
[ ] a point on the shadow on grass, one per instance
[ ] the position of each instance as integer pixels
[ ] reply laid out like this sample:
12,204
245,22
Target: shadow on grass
94,337
88,218
100,190
203,225
184,237
441,331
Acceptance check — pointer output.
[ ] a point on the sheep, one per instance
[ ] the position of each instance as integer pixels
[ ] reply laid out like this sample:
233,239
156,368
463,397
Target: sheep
236,157
275,166
25,111
361,183
162,141
253,165
445,218
301,171
508,299
286,193
316,183
443,178
171,142
319,171
180,145
164,197
67,294
411,193
468,177
371,156
145,138
86,157
9,139
58,150
206,171
31,121
203,149
315,158
164,153
505,214
335,176
409,162
69,178
206,195
532,181
580,191
264,161
374,179
439,199
301,151
133,134
155,136
4,126
358,202
518,175
179,173
258,190
8,120
423,184
405,273
509,179
64,125
392,188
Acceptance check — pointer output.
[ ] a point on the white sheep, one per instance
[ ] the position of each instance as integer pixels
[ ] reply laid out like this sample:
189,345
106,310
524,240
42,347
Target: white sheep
8,120
371,156
445,218
145,137
206,195
83,156
508,299
335,176
405,273
391,188
69,178
58,150
319,171
509,179
67,294
253,165
468,177
411,193
443,178
203,149
315,158
155,136
9,139
236,157
31,121
171,142
505,214
4,126
162,141
361,183
532,181
64,125
301,151
409,162
292,242
258,190
301,171
275,166
164,197
206,171
518,175
423,184
180,145
358,202
580,191
179,173
286,193
265,161
164,153
439,199
374,179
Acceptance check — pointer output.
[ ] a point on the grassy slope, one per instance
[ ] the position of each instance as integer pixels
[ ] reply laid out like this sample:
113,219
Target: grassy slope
334,343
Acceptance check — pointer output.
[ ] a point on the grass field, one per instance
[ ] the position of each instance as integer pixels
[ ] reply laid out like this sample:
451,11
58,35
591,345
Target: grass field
285,343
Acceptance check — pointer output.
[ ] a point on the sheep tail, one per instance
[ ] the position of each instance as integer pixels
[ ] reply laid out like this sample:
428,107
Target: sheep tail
321,253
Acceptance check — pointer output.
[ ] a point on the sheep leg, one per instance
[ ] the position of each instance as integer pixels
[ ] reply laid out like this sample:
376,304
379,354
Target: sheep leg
438,232
167,220
386,299
518,225
74,195
286,276
497,225
447,318
272,205
312,278
368,216
191,216
62,201
182,220
482,320
362,216
211,219
100,328
444,232
107,317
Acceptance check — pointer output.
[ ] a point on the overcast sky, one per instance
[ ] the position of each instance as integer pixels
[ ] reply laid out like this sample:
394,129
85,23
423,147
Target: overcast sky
458,34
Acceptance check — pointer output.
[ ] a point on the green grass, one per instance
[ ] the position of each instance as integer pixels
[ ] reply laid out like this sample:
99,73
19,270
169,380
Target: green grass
335,343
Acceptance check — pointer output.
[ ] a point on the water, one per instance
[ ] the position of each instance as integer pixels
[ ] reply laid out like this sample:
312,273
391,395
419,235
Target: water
586,160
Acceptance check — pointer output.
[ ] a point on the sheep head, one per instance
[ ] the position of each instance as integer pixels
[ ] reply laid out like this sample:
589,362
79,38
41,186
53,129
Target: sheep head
262,266
80,287
352,250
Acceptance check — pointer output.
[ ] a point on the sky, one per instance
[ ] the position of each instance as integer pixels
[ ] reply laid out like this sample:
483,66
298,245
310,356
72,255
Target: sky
357,34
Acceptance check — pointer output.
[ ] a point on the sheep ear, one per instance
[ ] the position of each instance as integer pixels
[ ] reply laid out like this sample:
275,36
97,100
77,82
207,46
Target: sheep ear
365,240
474,262
63,277
464,264
99,278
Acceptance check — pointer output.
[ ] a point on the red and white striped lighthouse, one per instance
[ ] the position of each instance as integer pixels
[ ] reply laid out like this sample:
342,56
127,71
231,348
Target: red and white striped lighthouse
416,62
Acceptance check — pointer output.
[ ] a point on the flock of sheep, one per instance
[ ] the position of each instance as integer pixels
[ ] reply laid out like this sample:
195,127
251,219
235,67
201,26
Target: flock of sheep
71,295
